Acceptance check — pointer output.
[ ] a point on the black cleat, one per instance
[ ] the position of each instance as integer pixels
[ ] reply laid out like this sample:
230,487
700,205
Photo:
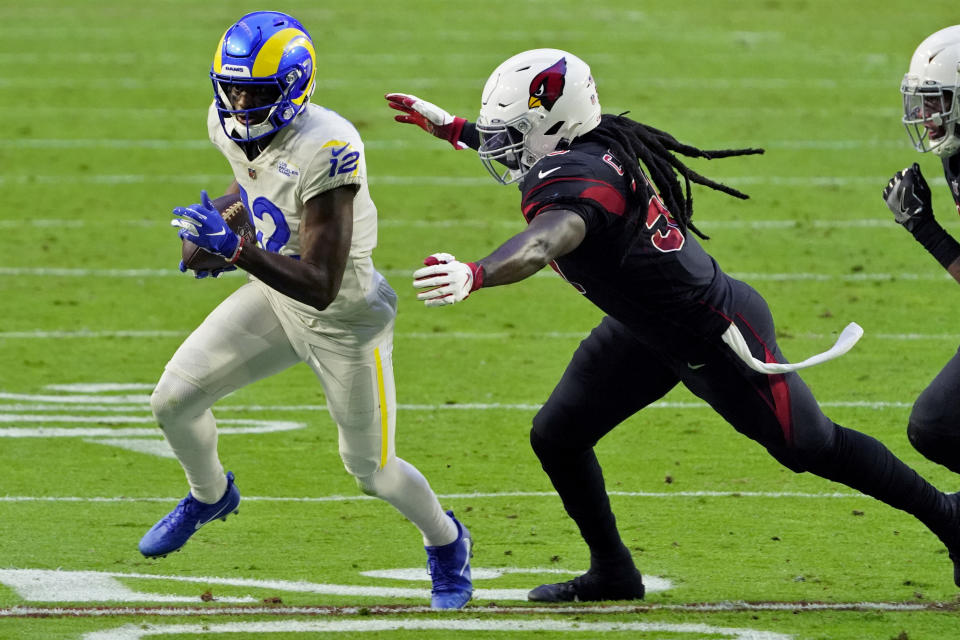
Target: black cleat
956,567
591,587
953,547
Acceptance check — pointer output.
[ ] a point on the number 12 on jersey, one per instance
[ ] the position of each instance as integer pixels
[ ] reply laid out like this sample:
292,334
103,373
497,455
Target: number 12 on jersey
343,162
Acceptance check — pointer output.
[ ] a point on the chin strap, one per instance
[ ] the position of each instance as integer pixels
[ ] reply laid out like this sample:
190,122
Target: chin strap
734,339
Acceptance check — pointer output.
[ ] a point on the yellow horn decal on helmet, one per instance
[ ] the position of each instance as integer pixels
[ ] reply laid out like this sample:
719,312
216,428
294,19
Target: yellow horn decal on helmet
218,55
308,45
268,60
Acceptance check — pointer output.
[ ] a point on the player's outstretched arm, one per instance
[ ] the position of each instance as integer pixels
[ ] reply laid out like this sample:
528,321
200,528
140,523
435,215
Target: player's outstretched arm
907,195
551,234
325,237
428,117
445,280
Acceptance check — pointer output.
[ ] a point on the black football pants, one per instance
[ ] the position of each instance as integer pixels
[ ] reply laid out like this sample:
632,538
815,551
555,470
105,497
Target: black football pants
614,374
934,427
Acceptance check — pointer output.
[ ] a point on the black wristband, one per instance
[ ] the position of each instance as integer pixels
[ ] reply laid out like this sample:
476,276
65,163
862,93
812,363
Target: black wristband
937,241
469,135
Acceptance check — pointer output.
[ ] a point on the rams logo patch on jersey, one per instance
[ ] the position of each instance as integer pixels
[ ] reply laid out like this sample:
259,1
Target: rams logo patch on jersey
287,169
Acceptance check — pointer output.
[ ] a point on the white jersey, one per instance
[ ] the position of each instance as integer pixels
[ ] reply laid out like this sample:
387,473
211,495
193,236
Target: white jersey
319,151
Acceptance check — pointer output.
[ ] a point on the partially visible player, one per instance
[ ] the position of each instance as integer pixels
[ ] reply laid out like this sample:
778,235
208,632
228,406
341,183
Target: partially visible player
313,295
605,209
931,114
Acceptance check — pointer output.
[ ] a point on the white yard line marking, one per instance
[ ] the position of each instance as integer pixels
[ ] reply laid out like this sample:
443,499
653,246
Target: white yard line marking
272,425
711,83
545,625
164,273
411,144
33,180
54,272
47,585
207,179
462,496
494,406
141,399
40,585
84,334
400,610
87,273
151,446
511,222
100,387
108,433
255,427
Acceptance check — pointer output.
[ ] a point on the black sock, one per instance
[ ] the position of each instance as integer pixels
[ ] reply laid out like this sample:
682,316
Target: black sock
578,479
865,464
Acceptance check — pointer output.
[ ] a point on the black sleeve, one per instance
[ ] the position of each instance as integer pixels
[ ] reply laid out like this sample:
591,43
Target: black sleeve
592,215
937,241
574,181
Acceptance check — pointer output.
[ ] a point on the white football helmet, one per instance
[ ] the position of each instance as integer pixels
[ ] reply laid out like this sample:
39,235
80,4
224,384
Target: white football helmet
930,102
532,103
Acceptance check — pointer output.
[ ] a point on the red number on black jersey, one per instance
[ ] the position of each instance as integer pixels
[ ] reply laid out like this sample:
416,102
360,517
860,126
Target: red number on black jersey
667,236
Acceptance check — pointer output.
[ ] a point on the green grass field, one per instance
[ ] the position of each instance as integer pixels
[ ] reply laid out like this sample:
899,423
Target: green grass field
103,105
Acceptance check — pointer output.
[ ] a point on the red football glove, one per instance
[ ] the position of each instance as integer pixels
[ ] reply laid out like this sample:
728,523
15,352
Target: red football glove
428,117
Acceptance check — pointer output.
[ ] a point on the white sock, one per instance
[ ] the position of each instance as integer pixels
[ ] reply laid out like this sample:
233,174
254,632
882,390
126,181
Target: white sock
403,486
183,412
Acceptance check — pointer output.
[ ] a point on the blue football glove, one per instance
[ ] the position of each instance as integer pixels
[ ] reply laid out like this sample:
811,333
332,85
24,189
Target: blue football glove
213,273
203,225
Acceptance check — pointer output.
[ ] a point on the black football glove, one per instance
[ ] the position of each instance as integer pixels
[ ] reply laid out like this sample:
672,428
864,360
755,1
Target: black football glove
908,197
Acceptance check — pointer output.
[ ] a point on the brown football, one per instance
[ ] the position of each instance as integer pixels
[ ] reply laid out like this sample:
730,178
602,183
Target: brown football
236,216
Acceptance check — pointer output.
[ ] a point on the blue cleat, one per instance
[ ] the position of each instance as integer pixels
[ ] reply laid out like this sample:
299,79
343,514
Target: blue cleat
449,568
175,528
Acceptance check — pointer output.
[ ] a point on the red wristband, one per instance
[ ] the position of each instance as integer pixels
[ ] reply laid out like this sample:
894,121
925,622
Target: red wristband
453,134
477,270
236,254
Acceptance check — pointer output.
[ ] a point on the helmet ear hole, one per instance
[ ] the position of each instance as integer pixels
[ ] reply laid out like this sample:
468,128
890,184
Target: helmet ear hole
552,131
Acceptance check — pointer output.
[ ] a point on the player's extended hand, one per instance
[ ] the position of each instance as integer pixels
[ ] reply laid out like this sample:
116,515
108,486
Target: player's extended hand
428,117
446,280
203,273
908,197
203,225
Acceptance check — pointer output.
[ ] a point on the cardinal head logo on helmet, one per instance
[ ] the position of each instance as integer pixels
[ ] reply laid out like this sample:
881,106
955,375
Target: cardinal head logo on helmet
547,86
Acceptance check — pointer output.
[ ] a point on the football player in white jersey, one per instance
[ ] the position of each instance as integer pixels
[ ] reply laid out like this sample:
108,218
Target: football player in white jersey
313,295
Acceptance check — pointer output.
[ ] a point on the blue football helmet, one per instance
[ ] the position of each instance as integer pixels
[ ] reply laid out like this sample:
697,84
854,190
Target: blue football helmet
263,72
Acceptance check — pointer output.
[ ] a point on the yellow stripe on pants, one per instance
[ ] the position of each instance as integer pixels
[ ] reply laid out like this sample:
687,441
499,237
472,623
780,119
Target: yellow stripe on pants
384,417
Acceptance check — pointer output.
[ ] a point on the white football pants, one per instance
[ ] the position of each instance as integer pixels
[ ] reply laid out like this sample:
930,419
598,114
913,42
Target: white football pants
251,335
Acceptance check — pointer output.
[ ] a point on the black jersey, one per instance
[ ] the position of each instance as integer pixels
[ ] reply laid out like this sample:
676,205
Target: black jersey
655,279
951,171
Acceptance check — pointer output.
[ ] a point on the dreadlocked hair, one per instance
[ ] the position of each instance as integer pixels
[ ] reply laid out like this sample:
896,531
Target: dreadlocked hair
627,139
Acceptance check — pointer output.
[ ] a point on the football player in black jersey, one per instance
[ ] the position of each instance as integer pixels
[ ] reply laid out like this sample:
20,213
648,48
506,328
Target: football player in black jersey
931,115
606,210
